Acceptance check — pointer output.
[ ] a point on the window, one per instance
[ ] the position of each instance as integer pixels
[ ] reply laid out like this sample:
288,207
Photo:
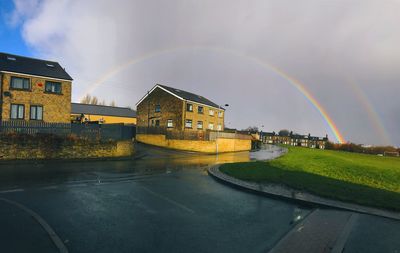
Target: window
211,112
157,108
17,111
20,83
189,107
36,112
157,123
200,109
188,123
50,65
199,124
220,114
11,58
170,124
53,87
219,127
211,126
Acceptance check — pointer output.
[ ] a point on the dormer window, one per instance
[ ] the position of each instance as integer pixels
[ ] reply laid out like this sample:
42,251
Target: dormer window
50,65
11,58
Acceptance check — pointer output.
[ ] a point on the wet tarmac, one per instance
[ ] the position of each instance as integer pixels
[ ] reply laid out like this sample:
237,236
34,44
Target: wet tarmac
162,202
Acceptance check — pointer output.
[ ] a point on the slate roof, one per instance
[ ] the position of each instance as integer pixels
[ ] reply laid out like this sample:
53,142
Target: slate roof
32,66
77,108
190,96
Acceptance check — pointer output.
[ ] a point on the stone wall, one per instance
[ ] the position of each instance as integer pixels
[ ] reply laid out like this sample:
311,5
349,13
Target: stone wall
56,107
63,149
171,108
174,108
224,145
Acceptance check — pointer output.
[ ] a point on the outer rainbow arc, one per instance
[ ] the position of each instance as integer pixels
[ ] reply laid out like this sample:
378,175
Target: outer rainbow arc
297,84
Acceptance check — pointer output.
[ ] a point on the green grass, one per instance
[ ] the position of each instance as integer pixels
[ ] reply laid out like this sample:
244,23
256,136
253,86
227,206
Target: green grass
362,179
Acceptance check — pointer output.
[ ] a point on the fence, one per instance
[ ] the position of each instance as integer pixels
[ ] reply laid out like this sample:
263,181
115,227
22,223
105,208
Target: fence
188,134
91,131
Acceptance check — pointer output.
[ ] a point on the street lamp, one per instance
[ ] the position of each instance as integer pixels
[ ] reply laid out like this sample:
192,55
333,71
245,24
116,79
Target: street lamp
218,129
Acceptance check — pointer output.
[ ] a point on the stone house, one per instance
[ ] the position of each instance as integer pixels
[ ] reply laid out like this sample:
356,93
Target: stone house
294,140
175,109
102,114
34,90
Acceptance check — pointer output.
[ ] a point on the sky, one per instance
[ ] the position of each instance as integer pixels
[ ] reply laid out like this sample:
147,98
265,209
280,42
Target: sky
272,61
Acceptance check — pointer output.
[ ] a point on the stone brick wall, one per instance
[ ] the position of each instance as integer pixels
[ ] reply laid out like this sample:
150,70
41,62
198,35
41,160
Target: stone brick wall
224,145
171,108
56,107
38,149
175,109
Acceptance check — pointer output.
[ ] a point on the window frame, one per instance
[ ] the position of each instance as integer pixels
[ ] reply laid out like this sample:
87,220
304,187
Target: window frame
24,79
219,127
198,124
23,111
220,114
188,105
211,124
47,83
211,112
186,123
157,108
200,111
36,112
168,123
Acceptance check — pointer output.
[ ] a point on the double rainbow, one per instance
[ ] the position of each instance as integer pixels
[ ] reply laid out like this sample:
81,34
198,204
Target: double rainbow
291,80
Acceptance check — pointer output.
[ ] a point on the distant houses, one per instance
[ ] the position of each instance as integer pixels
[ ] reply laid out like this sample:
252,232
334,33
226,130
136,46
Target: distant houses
34,90
81,113
294,140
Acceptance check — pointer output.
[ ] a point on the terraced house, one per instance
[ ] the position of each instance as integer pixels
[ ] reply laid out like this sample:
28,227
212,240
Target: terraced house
34,90
175,109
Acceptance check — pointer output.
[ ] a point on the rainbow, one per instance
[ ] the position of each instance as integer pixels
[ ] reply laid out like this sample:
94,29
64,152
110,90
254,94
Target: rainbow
291,80
371,112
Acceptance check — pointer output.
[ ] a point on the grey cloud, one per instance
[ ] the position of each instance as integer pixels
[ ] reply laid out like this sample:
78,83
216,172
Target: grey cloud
321,43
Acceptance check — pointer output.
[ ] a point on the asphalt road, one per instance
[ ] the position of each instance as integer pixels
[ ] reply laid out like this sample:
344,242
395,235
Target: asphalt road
163,202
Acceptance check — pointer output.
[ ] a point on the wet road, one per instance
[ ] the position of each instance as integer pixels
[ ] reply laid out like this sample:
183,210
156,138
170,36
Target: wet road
163,202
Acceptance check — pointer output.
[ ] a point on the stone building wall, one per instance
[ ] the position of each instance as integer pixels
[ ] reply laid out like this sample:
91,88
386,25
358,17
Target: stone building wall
56,107
174,108
171,108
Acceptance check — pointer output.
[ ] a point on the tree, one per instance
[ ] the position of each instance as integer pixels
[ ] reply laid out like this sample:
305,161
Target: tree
113,103
251,129
284,132
86,99
94,101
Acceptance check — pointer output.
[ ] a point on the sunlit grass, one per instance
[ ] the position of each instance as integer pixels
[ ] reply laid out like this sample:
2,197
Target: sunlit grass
364,179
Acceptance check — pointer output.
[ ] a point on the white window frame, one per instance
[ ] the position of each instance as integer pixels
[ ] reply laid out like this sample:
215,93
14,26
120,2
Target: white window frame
188,123
211,112
199,123
211,126
170,123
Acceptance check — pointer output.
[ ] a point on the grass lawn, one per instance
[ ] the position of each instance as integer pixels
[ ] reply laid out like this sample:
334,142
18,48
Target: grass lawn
363,179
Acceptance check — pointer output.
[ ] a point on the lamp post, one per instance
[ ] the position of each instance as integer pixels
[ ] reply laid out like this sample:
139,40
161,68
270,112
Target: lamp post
216,139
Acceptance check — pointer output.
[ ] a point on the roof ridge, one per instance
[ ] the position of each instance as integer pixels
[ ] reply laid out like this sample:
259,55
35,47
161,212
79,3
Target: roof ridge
104,106
26,57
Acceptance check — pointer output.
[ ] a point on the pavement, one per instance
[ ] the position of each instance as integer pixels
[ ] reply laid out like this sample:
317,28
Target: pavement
163,202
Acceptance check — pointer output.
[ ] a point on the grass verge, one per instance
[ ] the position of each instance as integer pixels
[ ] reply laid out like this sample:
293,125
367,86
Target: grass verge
358,178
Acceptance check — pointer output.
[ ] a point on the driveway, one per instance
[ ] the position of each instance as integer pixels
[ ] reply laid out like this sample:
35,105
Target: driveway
163,202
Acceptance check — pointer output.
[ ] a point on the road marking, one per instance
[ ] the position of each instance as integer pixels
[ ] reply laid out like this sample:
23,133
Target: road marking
53,236
168,199
13,190
341,241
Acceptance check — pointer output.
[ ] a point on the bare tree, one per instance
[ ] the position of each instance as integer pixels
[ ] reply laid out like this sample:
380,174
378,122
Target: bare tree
94,101
113,103
86,99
